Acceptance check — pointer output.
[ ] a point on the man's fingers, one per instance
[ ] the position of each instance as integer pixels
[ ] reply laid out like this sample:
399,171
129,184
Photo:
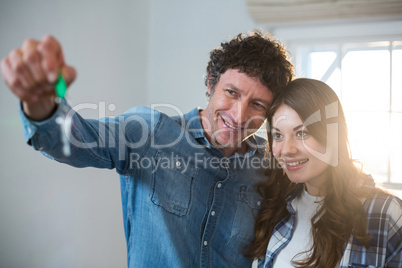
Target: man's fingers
32,71
32,58
12,81
9,78
69,73
29,44
53,61
52,57
20,69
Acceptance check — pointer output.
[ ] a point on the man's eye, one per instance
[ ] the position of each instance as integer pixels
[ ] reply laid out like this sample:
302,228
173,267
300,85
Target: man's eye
259,106
231,92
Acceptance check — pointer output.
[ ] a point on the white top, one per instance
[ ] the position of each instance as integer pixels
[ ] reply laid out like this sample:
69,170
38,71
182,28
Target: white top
305,206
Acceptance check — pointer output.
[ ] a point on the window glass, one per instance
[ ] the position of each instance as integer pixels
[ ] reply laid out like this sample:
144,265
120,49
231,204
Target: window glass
366,80
323,66
369,84
321,63
396,148
368,137
334,81
397,79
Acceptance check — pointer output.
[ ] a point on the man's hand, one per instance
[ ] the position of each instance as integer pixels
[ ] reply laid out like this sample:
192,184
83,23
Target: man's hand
31,72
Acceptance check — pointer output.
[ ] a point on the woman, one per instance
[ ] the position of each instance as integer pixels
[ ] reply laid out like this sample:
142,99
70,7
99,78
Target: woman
320,209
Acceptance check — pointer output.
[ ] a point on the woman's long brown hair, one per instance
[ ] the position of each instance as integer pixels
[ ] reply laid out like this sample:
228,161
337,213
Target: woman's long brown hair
341,213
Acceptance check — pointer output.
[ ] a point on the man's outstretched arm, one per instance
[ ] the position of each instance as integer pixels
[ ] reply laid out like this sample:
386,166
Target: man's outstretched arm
31,72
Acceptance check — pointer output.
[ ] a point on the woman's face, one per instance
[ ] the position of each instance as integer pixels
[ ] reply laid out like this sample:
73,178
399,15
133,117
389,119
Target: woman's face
297,151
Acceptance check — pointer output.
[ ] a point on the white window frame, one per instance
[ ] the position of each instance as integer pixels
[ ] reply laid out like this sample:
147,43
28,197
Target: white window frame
319,38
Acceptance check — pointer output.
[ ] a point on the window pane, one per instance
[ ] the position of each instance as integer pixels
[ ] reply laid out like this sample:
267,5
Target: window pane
334,81
397,80
368,137
323,67
365,80
396,148
320,63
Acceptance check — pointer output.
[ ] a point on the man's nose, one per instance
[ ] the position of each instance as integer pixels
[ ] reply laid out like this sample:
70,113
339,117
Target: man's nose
240,113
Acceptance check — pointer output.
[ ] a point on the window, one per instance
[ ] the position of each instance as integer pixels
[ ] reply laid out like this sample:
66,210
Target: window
367,76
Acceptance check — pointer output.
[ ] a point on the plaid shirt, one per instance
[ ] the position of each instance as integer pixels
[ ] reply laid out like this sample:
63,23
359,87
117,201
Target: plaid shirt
384,221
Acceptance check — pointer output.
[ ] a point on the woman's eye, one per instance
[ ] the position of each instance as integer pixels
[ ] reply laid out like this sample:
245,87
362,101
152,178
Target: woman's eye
276,136
301,133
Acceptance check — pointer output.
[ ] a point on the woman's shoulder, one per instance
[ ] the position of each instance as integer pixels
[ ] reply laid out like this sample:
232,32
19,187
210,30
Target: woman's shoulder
381,204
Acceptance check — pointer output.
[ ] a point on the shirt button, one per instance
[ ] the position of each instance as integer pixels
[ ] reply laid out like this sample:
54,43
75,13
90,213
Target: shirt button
213,213
259,203
178,164
219,185
205,243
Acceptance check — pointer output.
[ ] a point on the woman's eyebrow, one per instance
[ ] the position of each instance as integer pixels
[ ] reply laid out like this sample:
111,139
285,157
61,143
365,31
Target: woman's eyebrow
295,128
299,126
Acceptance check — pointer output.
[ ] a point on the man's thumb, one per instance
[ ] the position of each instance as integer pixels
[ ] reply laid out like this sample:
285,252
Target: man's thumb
69,73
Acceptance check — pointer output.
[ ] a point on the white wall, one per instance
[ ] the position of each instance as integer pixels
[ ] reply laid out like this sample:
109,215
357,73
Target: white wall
181,36
126,53
52,215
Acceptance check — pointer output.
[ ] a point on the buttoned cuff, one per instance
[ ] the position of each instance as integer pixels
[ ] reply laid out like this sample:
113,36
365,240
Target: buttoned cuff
30,127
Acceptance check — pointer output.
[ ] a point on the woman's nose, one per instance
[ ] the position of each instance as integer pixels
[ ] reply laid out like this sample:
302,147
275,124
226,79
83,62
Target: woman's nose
288,147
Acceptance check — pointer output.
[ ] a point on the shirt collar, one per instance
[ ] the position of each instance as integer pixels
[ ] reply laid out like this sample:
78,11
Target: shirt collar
193,123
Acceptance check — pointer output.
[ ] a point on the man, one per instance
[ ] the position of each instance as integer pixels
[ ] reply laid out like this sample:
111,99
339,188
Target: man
187,183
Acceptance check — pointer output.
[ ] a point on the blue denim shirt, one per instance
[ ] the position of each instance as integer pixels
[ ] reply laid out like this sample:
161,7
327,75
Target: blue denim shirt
184,203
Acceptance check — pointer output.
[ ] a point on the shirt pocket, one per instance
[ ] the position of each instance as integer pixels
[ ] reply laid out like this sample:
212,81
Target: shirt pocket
248,205
172,183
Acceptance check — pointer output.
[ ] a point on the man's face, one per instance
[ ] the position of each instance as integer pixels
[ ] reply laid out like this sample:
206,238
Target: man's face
237,109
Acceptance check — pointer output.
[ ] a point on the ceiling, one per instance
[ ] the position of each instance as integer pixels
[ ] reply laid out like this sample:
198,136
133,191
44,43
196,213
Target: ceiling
285,11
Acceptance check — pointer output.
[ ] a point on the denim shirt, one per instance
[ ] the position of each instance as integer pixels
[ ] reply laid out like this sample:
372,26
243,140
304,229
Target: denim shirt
184,203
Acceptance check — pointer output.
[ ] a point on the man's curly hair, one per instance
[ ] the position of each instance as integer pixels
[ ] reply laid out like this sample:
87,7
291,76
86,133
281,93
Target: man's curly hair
254,54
